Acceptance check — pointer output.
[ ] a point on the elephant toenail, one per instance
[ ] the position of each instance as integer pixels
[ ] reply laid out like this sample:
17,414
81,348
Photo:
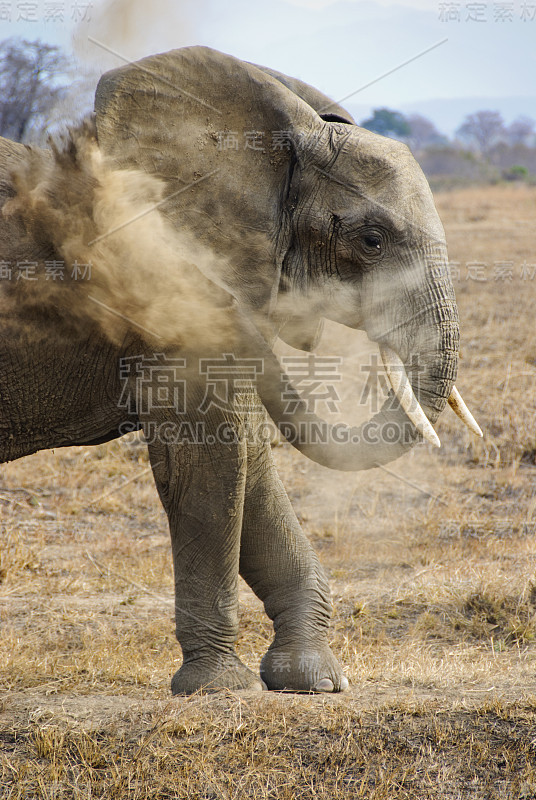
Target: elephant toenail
324,685
344,683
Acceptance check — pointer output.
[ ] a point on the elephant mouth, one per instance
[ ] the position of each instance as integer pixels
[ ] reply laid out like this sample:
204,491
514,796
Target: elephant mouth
399,425
401,385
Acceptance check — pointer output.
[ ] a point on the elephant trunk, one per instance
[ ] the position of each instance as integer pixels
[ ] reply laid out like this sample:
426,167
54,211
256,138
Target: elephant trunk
423,343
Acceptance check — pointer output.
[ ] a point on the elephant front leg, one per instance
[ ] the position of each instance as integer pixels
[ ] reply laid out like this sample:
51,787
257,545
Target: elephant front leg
202,489
279,564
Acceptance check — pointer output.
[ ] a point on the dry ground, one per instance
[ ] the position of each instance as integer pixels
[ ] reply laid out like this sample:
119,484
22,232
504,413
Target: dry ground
432,566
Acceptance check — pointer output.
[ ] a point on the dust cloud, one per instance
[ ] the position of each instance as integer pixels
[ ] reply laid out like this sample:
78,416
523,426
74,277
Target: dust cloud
112,33
145,276
120,31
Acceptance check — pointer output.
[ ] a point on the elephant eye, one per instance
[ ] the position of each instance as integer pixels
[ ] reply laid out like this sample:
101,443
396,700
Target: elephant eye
372,242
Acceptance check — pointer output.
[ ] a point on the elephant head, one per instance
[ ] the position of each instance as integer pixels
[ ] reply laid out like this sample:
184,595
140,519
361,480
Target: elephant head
317,218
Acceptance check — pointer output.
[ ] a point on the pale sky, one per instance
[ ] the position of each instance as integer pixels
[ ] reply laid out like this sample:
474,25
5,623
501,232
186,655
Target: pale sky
339,46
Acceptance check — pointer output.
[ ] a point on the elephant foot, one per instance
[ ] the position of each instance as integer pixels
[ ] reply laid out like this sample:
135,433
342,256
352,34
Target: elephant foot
302,669
214,674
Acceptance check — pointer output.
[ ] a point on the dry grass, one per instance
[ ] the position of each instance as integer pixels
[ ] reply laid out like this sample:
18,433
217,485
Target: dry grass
433,582
231,747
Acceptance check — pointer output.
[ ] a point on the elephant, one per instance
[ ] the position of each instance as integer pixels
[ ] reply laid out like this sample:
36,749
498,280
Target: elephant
310,217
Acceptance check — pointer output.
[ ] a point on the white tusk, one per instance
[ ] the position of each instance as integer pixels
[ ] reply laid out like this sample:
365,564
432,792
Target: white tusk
461,410
398,379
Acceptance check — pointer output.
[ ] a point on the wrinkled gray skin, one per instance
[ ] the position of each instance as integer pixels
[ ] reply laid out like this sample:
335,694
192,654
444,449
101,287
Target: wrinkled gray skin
339,225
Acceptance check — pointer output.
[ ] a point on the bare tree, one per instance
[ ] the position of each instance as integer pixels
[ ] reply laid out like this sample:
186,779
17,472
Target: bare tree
484,128
32,76
423,133
521,131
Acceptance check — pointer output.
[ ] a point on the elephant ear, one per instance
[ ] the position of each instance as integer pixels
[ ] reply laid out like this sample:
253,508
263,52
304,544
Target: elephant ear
304,333
326,108
223,136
